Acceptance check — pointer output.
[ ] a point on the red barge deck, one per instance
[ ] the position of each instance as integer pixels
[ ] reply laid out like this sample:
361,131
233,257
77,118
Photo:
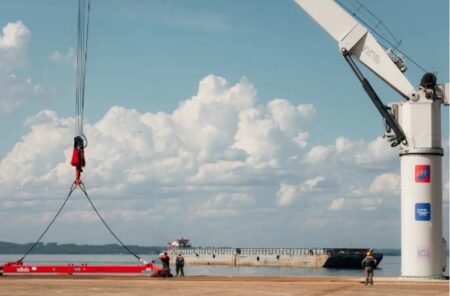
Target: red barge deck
14,268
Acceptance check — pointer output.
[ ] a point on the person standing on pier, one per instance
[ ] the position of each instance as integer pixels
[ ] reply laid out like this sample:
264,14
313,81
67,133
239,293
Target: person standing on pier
165,260
369,264
179,264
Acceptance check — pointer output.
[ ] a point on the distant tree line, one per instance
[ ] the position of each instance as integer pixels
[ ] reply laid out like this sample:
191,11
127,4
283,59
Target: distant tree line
55,248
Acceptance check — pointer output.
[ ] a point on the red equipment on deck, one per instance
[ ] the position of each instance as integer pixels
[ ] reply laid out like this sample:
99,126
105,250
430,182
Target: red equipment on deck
14,268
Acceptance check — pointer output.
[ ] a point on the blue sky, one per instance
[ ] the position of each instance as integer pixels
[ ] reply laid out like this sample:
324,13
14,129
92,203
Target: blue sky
150,56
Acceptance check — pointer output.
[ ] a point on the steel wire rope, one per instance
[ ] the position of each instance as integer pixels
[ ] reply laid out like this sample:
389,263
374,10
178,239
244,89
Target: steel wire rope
380,22
83,188
84,69
77,90
83,34
72,189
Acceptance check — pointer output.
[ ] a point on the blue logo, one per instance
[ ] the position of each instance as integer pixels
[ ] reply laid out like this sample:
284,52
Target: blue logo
423,211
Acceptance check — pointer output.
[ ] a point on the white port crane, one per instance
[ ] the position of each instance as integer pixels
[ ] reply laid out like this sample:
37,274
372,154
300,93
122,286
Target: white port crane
414,124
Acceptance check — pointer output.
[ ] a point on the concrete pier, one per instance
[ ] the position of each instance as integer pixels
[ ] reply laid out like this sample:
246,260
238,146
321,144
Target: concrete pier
217,285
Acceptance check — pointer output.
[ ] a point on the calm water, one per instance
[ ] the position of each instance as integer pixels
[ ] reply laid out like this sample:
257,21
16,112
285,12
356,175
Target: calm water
390,265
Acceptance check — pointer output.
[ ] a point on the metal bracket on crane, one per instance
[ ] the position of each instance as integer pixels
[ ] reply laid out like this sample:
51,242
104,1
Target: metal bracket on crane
391,123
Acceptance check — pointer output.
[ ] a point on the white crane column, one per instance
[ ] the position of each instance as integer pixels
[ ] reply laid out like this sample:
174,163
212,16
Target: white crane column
421,189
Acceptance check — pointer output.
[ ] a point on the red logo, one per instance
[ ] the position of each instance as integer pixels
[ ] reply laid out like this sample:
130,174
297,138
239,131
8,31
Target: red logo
423,174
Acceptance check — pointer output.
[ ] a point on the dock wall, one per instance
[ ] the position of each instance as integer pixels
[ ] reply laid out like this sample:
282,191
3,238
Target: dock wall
253,257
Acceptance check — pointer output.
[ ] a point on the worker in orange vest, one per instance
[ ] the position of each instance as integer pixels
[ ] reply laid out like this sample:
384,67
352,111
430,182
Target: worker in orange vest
369,264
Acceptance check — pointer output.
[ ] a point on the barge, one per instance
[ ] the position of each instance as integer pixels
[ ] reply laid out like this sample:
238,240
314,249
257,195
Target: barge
349,258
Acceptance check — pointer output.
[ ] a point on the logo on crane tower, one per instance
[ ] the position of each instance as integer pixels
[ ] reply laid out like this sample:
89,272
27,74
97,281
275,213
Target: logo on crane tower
423,211
423,252
423,174
371,54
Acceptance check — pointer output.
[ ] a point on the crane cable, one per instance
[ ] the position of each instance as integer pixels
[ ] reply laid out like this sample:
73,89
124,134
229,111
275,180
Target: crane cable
83,189
80,141
72,189
83,37
356,13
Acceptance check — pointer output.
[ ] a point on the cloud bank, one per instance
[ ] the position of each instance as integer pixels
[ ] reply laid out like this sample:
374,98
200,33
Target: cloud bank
221,157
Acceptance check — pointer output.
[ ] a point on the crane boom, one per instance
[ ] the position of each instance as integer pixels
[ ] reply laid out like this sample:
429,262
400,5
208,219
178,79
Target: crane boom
355,39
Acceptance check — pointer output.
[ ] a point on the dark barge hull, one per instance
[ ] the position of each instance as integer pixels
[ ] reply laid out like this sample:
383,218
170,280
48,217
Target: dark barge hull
349,258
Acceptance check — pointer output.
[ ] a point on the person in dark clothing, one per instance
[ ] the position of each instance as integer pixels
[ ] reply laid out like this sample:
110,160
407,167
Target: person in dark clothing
369,264
179,264
165,260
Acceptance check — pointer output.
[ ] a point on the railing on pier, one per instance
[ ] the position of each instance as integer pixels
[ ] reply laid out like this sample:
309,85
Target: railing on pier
249,251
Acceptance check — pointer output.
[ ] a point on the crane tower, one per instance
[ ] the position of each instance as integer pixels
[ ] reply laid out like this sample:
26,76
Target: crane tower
413,124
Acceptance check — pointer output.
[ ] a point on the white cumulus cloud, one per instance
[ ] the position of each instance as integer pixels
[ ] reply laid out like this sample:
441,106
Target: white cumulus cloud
13,45
337,204
15,91
286,194
61,57
385,182
219,136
